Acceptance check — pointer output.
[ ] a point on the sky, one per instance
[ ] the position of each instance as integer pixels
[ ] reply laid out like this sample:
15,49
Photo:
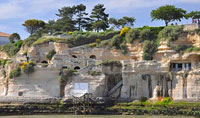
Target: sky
13,13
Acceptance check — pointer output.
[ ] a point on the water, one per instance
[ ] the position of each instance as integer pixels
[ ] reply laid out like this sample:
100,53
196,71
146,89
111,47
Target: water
90,116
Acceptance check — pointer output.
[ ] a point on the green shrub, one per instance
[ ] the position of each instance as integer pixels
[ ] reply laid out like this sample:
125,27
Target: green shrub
19,43
123,48
94,73
3,62
28,67
15,72
143,99
80,38
116,41
145,34
132,35
112,63
50,54
184,48
171,33
31,39
43,40
149,48
12,48
165,101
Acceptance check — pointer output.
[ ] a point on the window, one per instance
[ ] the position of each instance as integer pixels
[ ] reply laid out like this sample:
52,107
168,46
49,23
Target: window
80,89
81,86
180,66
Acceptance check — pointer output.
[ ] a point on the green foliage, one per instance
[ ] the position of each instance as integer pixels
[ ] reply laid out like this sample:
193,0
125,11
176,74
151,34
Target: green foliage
80,38
50,54
193,15
43,40
143,99
12,48
168,13
31,39
165,101
120,23
94,73
19,44
13,37
149,48
3,62
112,63
116,41
145,34
171,33
123,48
28,67
33,25
185,48
132,35
15,72
164,107
99,17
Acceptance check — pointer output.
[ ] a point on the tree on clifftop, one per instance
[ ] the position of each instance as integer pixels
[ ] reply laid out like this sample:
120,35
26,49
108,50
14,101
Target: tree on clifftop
81,19
33,25
99,17
168,13
120,23
66,21
193,15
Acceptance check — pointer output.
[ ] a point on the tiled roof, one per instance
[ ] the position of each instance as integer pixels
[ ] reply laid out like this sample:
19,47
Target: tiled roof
4,34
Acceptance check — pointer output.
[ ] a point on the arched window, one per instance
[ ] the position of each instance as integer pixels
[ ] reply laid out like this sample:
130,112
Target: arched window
77,68
44,62
74,56
92,57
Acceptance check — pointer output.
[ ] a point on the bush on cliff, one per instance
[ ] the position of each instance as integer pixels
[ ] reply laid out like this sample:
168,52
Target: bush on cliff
31,39
15,72
28,67
82,38
50,54
171,33
112,63
12,48
43,40
185,48
132,35
149,48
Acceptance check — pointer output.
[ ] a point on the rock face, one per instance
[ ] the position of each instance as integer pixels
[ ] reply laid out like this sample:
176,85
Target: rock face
169,75
42,83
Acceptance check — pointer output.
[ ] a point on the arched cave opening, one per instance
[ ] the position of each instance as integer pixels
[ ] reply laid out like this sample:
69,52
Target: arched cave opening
74,56
92,57
77,68
44,62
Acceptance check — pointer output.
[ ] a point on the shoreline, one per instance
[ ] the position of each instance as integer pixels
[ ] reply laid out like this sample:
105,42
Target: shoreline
131,108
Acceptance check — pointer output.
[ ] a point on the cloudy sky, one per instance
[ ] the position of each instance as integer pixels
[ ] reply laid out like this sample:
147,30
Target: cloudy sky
14,12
